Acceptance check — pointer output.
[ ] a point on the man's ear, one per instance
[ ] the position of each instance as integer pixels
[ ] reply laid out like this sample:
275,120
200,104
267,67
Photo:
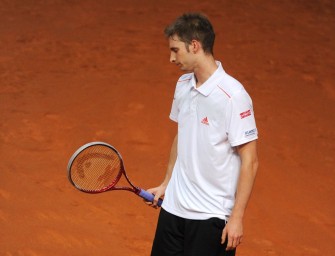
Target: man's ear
195,46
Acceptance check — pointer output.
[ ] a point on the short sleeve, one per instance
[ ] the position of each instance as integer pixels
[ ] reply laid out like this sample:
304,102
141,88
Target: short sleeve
174,108
241,124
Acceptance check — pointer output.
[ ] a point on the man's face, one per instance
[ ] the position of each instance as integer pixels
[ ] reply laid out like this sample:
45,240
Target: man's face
180,55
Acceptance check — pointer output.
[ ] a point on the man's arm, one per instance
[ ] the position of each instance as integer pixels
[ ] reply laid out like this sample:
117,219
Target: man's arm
160,190
249,166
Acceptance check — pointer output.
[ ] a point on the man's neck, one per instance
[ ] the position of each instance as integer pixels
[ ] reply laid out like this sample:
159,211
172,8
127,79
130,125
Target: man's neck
206,68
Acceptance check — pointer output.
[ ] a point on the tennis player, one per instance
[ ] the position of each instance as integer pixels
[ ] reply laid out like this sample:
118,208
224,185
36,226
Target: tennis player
213,160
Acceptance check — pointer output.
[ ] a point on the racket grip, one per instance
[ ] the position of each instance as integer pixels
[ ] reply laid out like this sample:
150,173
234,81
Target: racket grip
149,197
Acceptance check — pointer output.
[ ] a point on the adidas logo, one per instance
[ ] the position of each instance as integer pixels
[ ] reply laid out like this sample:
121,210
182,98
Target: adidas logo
205,121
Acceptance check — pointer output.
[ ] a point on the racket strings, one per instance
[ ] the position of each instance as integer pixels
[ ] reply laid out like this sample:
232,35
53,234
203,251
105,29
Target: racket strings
96,168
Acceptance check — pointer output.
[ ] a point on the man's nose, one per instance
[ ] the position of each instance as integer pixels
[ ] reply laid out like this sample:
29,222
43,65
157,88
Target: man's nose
172,58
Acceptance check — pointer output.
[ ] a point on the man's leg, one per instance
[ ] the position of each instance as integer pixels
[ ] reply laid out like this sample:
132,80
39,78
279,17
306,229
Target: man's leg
169,237
203,238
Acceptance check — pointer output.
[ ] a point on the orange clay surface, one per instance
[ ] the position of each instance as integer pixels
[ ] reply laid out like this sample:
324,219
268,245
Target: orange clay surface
73,72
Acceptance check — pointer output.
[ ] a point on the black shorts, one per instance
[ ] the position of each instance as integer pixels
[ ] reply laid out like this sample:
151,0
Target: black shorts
176,236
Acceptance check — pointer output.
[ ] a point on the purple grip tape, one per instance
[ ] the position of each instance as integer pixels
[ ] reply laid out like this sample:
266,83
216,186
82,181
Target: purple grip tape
149,197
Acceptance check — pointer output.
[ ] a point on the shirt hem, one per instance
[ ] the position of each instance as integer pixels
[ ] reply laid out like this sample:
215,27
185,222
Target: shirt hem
196,216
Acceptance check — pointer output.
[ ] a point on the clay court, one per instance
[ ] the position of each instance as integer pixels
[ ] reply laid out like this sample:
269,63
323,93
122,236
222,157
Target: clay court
77,71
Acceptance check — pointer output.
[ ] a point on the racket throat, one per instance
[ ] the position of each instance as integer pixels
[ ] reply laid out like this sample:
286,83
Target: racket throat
137,190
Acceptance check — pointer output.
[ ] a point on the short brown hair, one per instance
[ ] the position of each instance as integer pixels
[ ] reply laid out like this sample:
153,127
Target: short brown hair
193,26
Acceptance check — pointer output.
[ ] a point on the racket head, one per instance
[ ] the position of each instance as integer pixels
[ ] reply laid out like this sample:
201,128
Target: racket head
95,167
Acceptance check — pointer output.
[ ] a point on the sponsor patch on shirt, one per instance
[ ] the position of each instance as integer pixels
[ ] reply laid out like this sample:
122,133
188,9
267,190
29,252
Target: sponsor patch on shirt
245,114
250,132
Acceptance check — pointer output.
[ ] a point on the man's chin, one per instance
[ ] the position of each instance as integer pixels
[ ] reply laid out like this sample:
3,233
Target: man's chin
182,68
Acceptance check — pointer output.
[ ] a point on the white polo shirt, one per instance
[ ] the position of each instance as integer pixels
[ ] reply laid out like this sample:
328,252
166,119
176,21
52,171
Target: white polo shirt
212,120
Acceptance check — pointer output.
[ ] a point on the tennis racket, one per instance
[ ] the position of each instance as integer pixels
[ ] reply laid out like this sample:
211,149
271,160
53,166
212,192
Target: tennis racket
97,167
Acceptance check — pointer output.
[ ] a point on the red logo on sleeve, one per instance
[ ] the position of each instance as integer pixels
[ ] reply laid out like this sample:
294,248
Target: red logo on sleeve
245,114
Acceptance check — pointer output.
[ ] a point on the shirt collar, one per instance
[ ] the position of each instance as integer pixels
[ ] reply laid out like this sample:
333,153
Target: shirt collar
211,83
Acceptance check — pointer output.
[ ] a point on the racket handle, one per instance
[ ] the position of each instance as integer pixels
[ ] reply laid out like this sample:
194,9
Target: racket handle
149,197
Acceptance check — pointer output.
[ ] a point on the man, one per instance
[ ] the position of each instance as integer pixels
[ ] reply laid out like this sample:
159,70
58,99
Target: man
213,160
